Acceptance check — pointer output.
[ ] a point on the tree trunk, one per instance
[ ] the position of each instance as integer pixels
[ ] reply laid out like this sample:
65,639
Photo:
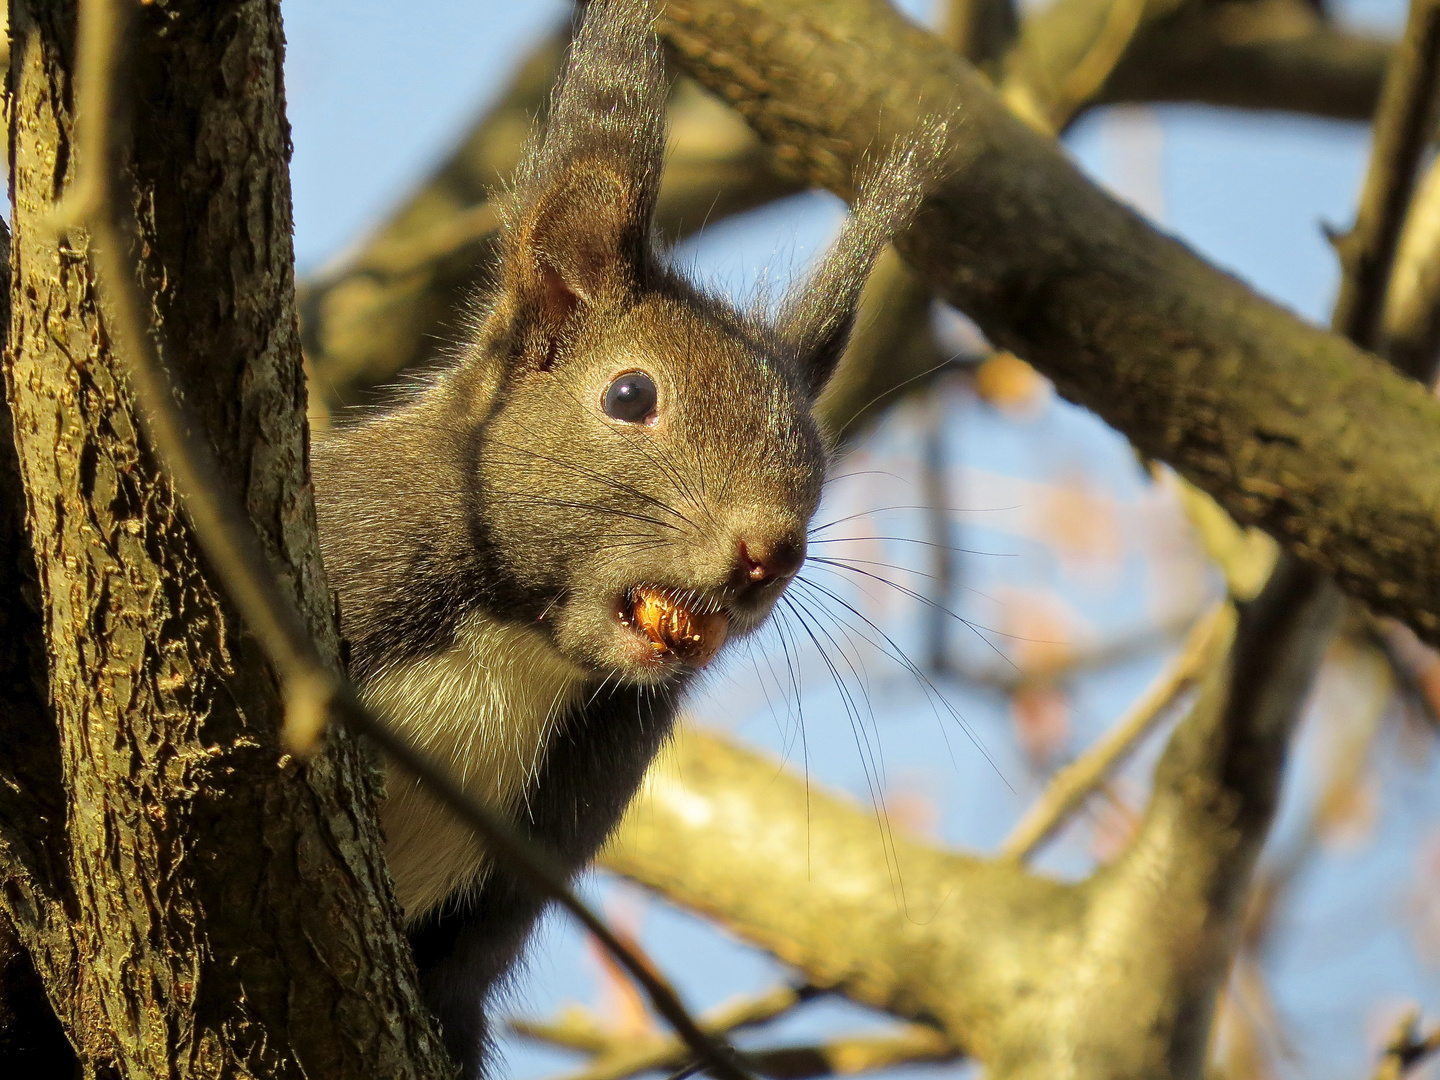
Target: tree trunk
195,904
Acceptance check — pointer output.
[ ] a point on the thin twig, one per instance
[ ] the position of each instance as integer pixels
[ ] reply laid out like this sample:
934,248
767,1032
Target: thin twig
1411,322
1072,785
914,1045
1406,1048
1052,667
937,500
619,1057
578,1028
312,687
1404,124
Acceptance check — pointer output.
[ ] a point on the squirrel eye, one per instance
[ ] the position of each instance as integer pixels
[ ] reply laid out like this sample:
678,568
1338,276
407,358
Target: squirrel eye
631,397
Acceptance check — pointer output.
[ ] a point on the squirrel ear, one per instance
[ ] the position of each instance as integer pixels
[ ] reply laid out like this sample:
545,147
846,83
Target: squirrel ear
584,235
818,312
579,219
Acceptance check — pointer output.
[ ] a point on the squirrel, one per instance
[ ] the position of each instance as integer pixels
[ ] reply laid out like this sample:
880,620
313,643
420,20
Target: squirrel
536,550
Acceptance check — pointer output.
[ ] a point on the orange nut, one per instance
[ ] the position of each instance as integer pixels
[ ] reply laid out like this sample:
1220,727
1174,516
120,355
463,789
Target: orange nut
692,637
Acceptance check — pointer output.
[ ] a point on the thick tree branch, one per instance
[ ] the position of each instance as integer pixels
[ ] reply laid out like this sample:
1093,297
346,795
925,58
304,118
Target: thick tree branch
1181,887
311,684
33,844
1252,54
927,935
188,917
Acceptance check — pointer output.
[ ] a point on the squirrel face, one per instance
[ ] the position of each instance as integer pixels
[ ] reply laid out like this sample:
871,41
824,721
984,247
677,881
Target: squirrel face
647,479
644,459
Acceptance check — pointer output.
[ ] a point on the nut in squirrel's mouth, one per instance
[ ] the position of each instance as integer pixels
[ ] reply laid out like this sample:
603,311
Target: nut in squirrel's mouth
674,625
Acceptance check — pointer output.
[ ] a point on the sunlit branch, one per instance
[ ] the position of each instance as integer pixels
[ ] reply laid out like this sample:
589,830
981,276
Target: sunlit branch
616,1056
1205,646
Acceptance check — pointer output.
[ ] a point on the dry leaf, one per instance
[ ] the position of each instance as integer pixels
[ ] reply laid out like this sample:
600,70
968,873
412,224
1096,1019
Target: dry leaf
1040,630
911,806
1009,383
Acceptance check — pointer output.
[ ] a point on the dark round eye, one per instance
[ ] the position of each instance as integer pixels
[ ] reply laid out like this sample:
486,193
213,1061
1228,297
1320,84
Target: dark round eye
631,398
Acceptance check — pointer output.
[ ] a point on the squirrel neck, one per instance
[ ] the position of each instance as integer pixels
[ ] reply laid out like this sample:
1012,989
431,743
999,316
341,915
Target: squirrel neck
489,705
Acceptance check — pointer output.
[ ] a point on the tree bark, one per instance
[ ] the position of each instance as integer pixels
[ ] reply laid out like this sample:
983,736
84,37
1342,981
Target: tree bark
195,905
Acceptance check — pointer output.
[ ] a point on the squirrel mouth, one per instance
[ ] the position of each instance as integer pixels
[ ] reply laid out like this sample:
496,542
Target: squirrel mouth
674,627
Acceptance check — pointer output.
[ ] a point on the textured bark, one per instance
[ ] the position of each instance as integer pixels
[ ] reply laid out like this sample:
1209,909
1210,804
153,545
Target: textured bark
32,812
196,906
1291,428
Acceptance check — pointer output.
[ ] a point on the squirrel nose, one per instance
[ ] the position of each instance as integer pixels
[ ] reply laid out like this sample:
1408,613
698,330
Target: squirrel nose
763,560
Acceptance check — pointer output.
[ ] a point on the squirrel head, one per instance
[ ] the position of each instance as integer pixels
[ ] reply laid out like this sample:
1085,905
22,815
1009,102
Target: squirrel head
643,458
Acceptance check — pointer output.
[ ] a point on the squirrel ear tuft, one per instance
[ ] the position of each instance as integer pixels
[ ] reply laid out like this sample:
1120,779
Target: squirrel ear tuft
818,312
579,219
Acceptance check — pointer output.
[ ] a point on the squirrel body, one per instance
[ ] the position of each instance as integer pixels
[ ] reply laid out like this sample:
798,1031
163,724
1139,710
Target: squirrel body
536,550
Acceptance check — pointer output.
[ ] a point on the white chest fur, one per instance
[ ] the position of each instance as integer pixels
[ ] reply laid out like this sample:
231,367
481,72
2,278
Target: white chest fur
485,709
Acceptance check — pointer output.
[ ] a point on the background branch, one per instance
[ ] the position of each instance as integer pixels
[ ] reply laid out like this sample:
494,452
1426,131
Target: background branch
1406,1049
1252,54
1204,649
924,934
615,1057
